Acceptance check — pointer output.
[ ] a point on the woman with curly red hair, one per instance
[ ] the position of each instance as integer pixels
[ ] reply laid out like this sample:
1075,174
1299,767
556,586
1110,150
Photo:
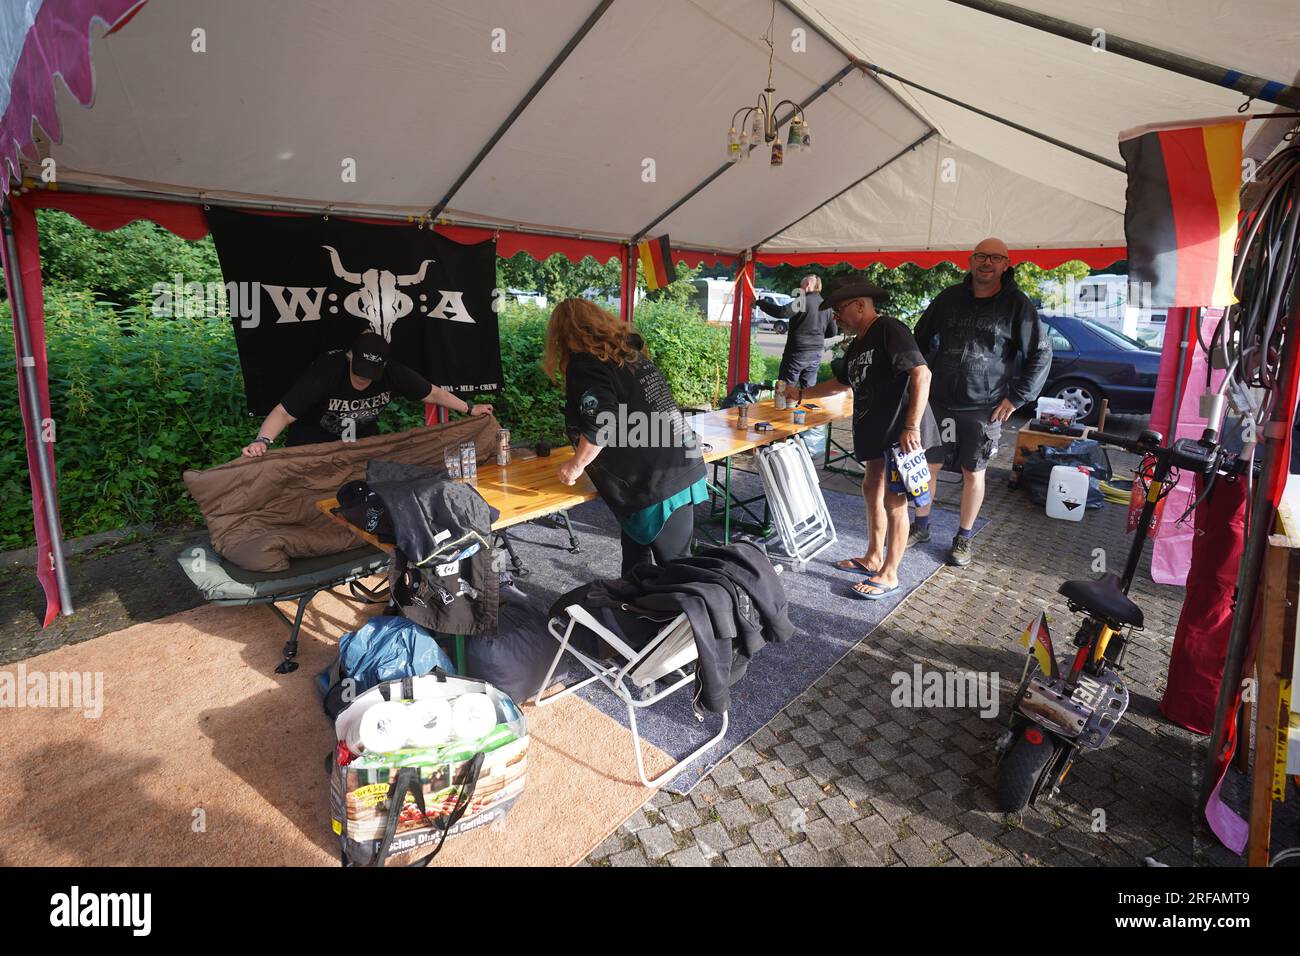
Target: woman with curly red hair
629,434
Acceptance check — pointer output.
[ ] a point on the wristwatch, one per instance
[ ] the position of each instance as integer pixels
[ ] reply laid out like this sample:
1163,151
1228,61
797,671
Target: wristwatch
268,442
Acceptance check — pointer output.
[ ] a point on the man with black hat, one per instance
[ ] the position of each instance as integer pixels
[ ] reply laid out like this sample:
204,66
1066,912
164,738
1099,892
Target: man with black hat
343,393
891,386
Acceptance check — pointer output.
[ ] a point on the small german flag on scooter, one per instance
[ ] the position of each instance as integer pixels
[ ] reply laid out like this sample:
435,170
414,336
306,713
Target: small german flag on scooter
1037,638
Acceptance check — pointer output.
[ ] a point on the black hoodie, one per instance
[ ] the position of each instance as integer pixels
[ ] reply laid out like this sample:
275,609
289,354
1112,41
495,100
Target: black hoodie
811,323
971,345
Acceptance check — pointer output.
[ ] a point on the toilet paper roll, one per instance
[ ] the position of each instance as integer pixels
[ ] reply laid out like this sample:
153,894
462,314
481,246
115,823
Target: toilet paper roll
428,722
472,716
382,728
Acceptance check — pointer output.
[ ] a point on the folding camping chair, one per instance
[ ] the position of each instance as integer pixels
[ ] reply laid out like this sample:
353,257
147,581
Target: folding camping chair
803,526
670,650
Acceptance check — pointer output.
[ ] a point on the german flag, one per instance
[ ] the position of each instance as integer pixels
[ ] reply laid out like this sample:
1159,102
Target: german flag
1039,641
656,262
1183,200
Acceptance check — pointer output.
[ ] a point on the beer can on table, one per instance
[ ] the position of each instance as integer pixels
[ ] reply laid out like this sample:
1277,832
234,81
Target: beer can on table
778,396
503,447
469,462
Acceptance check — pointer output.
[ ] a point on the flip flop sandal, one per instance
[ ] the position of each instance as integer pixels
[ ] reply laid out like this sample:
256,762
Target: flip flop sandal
856,565
878,595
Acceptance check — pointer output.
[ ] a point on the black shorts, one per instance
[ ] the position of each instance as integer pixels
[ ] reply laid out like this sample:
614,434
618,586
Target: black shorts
800,368
975,438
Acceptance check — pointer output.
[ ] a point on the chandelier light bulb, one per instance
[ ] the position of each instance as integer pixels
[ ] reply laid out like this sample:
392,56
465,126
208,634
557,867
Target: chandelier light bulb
733,146
778,153
794,142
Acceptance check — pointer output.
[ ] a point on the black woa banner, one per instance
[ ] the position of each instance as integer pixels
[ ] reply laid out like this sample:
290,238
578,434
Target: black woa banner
299,286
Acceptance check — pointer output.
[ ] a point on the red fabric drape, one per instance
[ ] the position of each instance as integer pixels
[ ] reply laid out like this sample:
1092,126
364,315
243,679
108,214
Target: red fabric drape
1096,256
107,213
1201,640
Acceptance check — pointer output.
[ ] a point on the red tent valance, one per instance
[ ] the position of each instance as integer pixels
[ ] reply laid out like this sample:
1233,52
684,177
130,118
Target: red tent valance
1097,257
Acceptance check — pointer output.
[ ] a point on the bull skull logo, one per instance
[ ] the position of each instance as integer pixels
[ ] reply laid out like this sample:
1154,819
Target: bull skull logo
380,299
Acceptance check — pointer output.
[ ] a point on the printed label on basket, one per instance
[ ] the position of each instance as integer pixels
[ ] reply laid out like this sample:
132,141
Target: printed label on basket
365,796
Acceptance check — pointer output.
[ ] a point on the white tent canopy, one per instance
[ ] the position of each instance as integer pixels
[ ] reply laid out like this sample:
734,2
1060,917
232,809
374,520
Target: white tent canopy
283,95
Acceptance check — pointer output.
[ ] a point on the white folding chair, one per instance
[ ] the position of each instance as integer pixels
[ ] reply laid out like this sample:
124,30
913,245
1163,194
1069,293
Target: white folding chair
803,526
671,649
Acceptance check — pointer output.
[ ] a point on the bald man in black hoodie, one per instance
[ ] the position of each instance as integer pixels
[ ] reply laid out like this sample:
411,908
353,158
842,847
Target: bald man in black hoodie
972,335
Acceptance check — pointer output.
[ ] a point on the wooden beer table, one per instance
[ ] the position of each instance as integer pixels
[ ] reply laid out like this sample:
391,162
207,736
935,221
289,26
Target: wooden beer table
524,490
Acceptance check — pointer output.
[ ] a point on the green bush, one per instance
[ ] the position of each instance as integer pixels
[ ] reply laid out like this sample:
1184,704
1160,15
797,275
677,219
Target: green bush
691,352
530,404
132,412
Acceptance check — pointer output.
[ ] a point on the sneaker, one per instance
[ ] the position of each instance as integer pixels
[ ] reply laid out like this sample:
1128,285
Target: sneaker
961,553
918,535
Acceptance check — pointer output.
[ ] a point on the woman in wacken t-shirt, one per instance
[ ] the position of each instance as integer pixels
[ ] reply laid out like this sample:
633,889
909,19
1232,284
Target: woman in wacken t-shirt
342,394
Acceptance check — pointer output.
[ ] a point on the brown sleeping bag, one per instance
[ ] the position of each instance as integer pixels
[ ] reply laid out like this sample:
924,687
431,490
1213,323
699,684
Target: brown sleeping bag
262,511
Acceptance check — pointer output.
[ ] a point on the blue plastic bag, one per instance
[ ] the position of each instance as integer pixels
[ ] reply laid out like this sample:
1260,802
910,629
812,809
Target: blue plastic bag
382,649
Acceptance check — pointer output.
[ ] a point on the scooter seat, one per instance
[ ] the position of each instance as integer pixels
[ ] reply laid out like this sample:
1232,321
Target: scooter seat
1103,598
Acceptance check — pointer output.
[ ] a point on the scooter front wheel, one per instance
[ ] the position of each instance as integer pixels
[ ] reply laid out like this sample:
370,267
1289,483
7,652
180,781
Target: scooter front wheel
1020,773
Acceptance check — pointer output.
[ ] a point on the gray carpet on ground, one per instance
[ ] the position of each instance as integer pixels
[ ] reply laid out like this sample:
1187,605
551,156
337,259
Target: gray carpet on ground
828,620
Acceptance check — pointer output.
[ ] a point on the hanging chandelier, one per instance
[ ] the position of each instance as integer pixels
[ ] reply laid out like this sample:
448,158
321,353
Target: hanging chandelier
758,123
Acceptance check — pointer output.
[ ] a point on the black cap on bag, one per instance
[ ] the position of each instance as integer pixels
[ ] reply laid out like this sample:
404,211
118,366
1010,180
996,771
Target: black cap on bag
369,355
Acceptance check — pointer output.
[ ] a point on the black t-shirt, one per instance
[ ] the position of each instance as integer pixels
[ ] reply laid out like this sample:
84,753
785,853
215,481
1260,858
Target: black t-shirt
323,399
649,451
876,367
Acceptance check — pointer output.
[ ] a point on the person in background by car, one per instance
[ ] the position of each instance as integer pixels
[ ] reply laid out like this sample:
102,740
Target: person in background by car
810,324
972,335
342,394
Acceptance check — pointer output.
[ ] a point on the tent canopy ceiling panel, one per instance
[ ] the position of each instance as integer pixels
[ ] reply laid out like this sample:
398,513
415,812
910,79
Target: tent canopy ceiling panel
287,91
858,126
660,82
1055,86
1255,36
964,198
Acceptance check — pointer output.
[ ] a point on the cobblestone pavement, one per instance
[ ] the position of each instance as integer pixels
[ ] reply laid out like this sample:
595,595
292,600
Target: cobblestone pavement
842,777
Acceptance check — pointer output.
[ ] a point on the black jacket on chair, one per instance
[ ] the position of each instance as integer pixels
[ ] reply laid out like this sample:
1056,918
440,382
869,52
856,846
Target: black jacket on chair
441,574
732,597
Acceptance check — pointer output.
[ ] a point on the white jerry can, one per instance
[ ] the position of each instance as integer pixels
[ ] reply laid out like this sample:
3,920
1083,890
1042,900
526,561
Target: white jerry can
1067,493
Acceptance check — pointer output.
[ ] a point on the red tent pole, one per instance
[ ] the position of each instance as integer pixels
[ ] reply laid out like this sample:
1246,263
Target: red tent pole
627,286
23,276
741,312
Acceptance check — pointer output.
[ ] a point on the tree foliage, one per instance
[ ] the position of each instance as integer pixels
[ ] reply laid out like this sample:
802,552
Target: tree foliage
911,288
